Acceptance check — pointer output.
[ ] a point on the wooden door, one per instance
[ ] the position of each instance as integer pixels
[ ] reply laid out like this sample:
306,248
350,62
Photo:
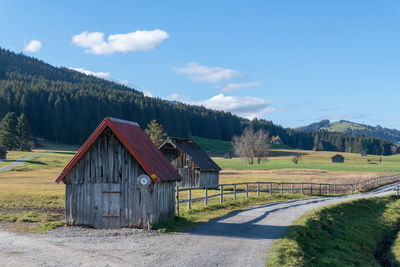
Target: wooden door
111,206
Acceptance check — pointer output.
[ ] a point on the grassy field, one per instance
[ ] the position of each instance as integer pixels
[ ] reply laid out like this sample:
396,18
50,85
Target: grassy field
346,234
313,167
213,146
29,198
219,147
321,160
12,156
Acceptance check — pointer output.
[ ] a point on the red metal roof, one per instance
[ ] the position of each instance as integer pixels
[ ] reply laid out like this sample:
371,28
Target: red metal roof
137,143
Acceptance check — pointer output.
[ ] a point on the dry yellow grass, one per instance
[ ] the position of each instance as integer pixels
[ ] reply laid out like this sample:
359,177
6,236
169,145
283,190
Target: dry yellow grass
295,175
34,181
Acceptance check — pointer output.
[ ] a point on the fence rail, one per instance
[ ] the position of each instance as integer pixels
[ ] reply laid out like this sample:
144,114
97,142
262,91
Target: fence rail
271,187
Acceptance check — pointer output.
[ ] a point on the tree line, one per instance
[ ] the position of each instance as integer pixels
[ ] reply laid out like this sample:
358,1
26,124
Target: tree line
65,106
15,132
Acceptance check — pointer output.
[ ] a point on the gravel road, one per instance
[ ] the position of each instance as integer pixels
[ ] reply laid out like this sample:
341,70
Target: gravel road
19,162
239,239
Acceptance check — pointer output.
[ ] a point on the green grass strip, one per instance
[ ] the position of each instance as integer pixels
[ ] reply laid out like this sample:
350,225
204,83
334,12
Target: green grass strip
344,234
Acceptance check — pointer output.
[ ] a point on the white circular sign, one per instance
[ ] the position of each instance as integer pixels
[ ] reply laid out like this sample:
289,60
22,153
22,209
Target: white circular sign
144,180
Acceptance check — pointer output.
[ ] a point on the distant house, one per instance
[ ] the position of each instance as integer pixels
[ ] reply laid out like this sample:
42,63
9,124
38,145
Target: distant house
192,163
364,153
276,140
119,178
3,153
337,159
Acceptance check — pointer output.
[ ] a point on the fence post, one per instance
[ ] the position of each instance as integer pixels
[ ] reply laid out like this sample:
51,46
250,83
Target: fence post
190,198
270,188
234,192
206,196
291,189
334,189
301,189
320,189
177,200
247,190
221,198
258,189
310,189
329,189
281,189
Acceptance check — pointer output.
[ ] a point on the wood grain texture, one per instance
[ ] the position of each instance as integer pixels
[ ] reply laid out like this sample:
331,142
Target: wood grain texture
102,190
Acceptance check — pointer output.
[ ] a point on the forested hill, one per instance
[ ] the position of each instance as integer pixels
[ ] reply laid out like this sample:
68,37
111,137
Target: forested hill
65,106
23,68
354,129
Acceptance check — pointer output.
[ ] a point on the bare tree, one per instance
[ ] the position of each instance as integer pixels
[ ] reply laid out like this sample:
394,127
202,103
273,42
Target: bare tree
296,158
251,145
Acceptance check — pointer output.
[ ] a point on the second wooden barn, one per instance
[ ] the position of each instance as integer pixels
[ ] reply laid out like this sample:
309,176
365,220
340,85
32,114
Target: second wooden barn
119,179
192,163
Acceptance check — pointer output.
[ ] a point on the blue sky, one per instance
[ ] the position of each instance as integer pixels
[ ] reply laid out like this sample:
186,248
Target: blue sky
292,62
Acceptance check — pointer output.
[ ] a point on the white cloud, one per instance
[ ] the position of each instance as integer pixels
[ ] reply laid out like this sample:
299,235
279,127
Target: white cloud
199,73
133,41
147,93
230,87
33,46
103,75
246,106
179,98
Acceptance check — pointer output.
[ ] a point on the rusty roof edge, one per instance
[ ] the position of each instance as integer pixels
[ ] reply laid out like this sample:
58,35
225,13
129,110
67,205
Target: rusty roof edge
83,149
108,122
136,155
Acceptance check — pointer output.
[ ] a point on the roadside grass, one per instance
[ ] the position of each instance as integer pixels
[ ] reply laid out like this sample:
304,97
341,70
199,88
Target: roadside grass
12,156
31,212
51,159
344,234
282,159
395,251
200,213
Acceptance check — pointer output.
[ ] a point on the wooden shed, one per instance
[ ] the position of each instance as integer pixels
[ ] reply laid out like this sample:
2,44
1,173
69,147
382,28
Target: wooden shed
3,153
119,178
337,159
192,163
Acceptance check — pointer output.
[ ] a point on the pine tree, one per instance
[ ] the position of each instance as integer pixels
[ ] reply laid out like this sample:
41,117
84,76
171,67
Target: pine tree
24,133
156,133
8,131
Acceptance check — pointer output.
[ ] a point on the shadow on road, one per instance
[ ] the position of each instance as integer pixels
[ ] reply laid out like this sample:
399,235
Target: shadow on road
235,225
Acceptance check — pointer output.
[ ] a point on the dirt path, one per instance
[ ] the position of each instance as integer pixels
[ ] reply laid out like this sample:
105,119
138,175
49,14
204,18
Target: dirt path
19,162
239,239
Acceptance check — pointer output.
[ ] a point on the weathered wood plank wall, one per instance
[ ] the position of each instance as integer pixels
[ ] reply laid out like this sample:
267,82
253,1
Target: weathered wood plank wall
102,189
192,175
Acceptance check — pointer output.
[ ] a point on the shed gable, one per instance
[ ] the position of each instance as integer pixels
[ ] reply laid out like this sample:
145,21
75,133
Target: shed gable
139,146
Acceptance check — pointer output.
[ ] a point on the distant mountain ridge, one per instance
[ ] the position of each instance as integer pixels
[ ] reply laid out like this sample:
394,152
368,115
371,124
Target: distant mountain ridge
354,129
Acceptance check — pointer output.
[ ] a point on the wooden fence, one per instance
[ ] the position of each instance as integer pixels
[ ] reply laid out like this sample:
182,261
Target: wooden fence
271,187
